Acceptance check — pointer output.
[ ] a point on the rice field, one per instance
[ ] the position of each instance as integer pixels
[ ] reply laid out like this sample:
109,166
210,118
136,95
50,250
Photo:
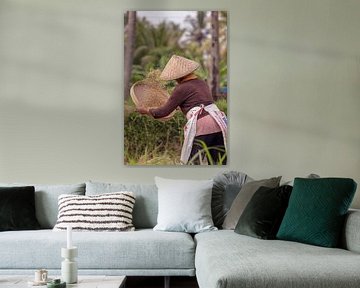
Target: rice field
152,142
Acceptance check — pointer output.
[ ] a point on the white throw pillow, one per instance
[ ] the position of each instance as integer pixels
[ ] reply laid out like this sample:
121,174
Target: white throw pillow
104,212
184,205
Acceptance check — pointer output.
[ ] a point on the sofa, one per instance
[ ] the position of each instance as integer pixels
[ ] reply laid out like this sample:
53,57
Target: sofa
221,258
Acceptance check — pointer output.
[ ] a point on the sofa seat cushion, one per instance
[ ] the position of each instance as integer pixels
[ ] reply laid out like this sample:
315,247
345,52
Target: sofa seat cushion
142,249
226,259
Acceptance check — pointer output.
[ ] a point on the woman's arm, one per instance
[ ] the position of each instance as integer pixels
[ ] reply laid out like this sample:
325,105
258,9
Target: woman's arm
176,99
173,102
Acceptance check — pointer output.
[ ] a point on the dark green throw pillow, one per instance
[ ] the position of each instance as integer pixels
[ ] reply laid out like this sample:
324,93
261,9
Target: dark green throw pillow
263,214
316,211
17,208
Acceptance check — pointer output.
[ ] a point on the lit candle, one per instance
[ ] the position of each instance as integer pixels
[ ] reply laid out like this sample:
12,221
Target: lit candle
69,239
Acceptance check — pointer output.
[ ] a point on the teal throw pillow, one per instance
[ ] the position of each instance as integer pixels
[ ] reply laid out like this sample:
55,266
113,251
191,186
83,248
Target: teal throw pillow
316,211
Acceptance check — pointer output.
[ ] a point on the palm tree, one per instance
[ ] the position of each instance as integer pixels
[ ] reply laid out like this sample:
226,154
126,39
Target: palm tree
130,31
198,32
223,51
154,45
215,54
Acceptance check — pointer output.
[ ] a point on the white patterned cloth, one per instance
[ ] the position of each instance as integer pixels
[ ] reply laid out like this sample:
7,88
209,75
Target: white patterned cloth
190,127
104,212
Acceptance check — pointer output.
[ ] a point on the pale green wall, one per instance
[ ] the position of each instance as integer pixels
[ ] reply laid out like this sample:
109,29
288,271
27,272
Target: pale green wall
294,89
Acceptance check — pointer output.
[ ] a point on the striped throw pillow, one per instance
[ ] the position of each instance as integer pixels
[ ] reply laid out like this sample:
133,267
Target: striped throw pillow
105,212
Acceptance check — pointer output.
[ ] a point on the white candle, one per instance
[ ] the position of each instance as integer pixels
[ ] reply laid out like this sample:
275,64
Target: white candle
69,237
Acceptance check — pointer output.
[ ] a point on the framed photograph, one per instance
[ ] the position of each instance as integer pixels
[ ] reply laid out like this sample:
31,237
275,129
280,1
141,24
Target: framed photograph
175,88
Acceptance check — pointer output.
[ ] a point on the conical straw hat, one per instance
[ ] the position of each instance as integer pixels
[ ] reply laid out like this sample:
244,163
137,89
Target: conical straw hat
178,67
148,95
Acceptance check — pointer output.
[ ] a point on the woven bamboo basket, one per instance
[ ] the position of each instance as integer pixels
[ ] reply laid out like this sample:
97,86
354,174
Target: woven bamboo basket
148,95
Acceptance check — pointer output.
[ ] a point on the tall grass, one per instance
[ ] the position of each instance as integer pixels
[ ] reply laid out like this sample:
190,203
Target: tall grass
152,142
203,156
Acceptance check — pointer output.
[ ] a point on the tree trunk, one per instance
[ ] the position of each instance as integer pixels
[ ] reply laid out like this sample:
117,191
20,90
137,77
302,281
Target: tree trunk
215,54
130,31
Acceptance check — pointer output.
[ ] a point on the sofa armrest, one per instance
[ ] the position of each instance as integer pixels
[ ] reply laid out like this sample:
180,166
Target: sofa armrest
351,234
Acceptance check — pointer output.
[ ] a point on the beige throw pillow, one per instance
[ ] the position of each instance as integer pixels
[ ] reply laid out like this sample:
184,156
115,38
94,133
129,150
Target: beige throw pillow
243,198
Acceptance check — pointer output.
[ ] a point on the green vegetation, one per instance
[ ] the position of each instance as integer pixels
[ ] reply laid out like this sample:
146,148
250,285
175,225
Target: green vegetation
155,44
222,105
204,157
149,141
153,142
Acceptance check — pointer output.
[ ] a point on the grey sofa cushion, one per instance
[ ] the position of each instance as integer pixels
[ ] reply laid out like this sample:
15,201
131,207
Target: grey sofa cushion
225,259
46,200
138,250
146,204
351,235
263,214
243,198
225,189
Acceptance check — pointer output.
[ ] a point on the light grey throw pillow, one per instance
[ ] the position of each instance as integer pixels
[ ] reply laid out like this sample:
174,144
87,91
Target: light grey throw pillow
184,205
243,198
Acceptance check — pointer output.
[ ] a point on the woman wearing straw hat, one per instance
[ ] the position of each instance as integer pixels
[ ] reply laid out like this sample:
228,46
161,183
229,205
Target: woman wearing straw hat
206,123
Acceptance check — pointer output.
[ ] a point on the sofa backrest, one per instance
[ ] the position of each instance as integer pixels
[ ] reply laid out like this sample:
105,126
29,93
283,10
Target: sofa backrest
146,203
46,200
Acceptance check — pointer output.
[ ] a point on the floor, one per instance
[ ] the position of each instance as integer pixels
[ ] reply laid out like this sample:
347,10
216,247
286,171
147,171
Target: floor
158,282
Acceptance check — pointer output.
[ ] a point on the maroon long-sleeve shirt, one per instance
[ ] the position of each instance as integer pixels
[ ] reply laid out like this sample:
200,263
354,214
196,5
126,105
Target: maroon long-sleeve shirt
186,95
